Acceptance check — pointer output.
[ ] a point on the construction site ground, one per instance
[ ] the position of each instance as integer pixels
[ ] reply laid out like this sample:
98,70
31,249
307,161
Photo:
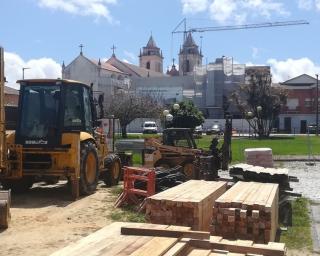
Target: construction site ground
45,220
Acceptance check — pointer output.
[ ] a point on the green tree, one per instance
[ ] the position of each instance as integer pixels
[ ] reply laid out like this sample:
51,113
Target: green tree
187,116
260,102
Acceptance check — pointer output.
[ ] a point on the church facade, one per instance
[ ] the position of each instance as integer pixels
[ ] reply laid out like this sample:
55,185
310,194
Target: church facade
207,88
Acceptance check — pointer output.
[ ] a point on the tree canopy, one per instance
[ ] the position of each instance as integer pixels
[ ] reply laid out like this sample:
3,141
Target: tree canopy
128,106
188,115
260,102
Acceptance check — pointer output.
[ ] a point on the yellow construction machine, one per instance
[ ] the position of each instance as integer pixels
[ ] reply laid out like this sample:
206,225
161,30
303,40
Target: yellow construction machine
55,138
177,147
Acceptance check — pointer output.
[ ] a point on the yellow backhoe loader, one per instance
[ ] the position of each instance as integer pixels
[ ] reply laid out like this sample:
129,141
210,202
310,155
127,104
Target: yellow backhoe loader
56,138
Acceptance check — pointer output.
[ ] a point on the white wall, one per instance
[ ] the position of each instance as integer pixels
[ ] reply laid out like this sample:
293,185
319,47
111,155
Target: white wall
241,125
296,121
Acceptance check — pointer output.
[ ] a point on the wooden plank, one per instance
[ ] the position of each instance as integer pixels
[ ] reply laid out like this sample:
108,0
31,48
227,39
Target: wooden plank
156,246
176,249
164,233
199,252
236,248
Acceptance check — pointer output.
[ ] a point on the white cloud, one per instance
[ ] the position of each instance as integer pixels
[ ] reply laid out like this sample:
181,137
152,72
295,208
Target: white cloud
194,6
235,11
287,69
126,61
39,68
131,55
309,4
96,8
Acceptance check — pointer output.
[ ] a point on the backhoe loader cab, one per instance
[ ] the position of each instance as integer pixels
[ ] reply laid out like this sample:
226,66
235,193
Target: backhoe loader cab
49,108
55,137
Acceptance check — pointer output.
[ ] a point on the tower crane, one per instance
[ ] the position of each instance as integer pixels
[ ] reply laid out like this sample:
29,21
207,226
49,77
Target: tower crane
237,27
185,31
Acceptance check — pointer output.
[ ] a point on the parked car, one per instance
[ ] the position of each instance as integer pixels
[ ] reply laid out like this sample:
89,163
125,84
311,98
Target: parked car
215,129
149,127
312,128
198,130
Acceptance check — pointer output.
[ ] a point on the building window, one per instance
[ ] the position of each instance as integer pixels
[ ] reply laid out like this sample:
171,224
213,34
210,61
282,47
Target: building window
148,65
308,103
293,103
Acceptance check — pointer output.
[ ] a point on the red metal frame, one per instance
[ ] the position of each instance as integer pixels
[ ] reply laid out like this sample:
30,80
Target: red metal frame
130,193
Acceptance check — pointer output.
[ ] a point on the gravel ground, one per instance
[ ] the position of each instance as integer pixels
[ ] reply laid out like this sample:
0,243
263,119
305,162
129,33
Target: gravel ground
309,177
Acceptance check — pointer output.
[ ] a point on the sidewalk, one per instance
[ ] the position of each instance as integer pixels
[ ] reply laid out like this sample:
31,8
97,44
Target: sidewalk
296,158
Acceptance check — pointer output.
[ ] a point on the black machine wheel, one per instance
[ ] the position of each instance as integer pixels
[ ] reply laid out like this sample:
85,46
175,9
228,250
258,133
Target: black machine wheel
113,165
163,163
89,168
189,169
19,185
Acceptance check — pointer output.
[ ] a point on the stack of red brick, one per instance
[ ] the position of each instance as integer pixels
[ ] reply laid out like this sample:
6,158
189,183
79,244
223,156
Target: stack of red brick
259,156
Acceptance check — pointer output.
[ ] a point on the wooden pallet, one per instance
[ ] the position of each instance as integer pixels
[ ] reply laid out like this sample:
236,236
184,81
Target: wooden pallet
248,210
163,240
189,204
247,172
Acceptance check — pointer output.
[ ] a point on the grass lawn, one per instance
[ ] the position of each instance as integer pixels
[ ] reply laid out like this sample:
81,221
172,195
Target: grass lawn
293,145
299,235
126,213
288,145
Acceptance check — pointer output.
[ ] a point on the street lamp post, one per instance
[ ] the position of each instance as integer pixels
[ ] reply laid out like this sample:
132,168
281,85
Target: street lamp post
259,109
165,113
23,69
249,116
317,106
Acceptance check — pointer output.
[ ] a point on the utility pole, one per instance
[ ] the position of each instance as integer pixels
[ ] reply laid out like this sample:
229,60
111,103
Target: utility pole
317,106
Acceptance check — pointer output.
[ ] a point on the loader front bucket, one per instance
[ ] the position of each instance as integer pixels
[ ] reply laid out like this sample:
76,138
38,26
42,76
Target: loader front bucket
5,203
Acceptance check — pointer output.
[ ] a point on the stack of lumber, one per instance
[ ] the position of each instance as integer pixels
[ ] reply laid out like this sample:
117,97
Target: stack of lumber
259,156
246,172
5,203
189,204
248,210
149,239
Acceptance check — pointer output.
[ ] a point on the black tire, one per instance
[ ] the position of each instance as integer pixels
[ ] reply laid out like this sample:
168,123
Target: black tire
112,175
189,170
89,168
19,185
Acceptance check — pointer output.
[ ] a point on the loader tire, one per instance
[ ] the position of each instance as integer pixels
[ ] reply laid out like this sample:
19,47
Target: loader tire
189,170
113,165
89,168
19,185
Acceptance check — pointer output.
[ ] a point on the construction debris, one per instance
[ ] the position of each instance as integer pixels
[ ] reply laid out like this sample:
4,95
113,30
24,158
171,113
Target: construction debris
248,210
165,178
246,172
149,239
189,204
259,156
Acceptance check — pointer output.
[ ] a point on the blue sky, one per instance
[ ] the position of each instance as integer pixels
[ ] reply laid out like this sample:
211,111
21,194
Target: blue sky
40,34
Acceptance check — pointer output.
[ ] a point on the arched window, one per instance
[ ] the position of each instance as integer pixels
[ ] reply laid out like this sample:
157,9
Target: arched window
148,65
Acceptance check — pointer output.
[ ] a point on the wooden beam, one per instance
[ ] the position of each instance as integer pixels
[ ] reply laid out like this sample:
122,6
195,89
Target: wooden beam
140,231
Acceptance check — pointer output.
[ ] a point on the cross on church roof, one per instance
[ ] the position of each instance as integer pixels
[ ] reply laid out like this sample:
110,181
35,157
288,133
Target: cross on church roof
81,46
113,50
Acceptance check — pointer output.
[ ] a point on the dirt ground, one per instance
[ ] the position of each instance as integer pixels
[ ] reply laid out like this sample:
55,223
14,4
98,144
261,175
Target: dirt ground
45,220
